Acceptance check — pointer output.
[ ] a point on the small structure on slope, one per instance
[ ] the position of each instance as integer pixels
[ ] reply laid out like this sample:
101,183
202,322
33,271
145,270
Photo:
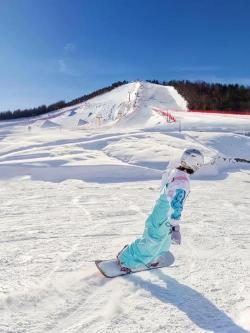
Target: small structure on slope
82,122
50,124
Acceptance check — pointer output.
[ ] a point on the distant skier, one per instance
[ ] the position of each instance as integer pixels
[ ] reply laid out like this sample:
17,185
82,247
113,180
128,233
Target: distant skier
162,225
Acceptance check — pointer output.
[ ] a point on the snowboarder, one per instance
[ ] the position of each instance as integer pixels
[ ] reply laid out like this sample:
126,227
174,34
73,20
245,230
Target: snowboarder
162,225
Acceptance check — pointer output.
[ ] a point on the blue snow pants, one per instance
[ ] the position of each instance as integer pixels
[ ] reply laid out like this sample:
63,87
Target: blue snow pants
155,240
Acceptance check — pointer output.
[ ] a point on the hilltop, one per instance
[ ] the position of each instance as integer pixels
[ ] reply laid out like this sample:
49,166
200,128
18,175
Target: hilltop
198,95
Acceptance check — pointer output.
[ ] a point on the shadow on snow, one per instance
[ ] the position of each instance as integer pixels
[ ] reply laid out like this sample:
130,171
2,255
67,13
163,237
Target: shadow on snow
197,307
88,173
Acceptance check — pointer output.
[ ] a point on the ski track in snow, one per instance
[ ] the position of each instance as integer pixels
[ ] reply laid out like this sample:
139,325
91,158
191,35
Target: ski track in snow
70,197
51,283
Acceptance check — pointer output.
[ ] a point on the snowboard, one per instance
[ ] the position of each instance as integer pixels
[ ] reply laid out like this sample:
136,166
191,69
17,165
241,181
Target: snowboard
111,269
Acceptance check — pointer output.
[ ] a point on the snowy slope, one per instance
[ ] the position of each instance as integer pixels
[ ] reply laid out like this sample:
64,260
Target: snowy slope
131,106
128,105
72,194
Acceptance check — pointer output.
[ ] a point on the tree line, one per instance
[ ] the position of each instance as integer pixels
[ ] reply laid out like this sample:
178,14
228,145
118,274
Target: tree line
201,95
32,112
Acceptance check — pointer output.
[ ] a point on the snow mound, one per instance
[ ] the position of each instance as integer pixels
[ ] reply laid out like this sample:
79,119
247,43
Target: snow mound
49,124
81,122
128,105
151,96
138,105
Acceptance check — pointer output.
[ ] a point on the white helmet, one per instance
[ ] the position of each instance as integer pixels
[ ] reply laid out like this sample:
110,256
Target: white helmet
192,159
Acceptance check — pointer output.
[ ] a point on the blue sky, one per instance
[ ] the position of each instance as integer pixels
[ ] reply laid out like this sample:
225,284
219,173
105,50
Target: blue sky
61,49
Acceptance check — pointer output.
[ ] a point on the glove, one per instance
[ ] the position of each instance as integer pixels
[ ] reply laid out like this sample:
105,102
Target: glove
176,235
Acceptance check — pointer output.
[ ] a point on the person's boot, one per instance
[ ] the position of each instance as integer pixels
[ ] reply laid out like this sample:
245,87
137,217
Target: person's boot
123,268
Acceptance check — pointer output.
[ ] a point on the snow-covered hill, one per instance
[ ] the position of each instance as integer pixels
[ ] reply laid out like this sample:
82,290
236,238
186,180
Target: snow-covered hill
133,106
77,184
128,105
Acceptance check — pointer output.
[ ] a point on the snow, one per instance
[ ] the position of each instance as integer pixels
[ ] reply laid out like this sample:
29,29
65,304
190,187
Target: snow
49,124
73,194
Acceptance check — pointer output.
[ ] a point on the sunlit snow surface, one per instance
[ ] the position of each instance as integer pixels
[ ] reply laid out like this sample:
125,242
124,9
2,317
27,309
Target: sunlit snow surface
73,194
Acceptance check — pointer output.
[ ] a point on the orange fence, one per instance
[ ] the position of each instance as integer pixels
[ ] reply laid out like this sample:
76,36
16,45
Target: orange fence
245,113
169,117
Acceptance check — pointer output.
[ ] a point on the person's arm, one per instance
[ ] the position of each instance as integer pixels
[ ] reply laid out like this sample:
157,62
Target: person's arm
176,195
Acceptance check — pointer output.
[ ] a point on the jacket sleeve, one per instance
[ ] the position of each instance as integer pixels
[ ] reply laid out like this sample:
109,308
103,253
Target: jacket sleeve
176,195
